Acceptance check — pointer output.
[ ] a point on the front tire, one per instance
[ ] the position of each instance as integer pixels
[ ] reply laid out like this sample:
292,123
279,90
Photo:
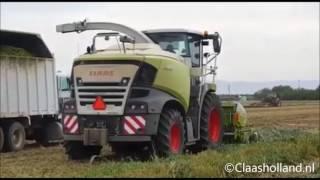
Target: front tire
211,125
77,151
170,139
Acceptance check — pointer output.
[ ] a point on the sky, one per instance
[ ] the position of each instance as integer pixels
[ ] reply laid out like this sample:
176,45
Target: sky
261,41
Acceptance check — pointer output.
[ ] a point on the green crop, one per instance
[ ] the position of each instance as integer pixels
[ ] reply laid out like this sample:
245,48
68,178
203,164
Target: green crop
14,51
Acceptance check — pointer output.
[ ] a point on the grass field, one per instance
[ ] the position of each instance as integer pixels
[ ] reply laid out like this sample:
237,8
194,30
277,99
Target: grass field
290,135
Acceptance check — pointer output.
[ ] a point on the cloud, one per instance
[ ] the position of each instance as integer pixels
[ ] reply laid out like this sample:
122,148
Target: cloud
261,41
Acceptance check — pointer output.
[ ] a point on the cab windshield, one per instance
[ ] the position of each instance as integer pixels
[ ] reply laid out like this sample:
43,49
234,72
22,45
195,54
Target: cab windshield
182,44
62,83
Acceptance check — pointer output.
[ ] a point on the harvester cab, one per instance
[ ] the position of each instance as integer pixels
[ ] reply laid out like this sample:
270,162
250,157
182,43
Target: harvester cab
150,90
191,45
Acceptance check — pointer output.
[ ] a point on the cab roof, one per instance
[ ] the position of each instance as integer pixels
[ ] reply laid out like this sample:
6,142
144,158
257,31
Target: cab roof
173,30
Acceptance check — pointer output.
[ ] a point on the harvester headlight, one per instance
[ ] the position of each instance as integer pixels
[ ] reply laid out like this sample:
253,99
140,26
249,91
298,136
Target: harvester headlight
79,81
69,106
125,81
136,107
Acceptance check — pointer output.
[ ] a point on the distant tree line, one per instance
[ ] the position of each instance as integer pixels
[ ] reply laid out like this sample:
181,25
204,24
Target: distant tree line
288,93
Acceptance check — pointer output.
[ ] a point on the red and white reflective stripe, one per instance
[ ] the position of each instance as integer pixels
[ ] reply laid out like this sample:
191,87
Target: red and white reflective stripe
141,120
133,123
75,128
66,119
70,123
128,129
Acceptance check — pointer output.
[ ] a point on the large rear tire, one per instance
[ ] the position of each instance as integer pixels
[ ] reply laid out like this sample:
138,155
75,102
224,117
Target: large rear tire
15,137
77,151
170,139
211,124
1,139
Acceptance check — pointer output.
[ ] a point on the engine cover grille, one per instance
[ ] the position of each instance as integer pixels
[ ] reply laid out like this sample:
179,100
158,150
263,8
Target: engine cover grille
110,81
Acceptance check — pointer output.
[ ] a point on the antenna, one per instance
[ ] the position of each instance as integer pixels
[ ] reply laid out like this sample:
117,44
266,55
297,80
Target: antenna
134,44
124,47
118,44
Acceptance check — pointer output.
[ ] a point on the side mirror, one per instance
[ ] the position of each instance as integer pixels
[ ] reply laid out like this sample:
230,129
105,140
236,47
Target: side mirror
126,39
216,43
88,50
69,81
206,55
205,43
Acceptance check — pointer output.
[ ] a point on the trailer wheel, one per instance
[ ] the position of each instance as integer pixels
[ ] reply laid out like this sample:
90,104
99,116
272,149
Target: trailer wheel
211,124
77,151
1,139
170,139
15,137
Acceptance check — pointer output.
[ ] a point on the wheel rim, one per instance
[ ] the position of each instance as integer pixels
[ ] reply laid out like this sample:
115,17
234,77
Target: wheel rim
17,138
175,138
214,126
